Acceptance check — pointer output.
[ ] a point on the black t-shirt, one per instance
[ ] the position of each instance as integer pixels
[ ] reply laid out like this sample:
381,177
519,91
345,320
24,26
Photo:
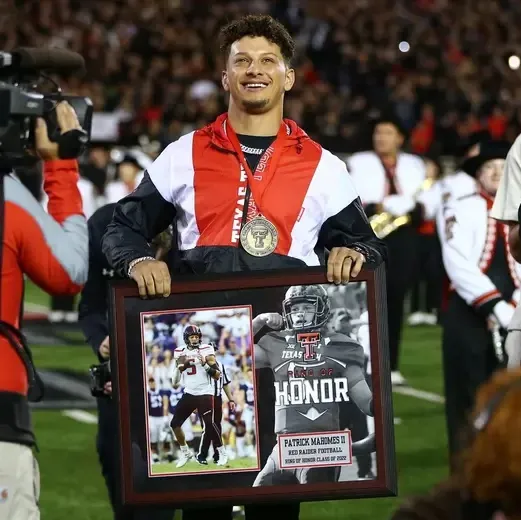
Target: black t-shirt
253,147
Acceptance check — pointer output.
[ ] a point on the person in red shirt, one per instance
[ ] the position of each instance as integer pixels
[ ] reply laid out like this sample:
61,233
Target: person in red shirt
51,249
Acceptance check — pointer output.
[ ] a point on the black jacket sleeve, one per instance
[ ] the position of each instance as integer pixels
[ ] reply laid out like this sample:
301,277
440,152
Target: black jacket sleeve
137,219
93,306
350,228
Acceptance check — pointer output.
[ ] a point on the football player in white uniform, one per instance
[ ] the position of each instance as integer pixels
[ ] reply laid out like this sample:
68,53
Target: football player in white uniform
196,371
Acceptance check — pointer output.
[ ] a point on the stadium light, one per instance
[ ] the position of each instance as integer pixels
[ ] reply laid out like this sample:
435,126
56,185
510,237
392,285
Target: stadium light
514,62
404,46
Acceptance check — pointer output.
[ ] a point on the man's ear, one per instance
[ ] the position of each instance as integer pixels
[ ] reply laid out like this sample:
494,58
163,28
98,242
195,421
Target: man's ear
290,80
224,81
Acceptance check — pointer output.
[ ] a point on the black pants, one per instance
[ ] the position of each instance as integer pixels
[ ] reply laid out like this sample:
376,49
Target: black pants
426,291
468,362
204,406
107,447
402,250
62,303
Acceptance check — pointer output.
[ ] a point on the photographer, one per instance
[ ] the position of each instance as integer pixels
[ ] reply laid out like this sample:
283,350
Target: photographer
52,250
93,308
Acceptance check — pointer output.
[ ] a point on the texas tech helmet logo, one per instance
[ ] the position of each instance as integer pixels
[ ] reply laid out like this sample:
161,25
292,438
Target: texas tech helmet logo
309,341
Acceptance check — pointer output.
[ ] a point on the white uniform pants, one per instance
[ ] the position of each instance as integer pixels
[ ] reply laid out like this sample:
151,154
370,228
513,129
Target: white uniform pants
19,483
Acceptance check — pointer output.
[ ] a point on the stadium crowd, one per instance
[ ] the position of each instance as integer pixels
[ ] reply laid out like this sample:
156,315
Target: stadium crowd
153,72
153,75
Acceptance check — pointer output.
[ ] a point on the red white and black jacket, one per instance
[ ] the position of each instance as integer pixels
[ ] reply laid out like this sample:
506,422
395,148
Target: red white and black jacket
197,182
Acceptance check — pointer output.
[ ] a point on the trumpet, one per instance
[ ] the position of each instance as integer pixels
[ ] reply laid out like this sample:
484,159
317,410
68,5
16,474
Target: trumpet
385,223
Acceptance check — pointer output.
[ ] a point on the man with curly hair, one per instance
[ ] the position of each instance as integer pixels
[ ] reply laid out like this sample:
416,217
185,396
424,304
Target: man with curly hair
250,191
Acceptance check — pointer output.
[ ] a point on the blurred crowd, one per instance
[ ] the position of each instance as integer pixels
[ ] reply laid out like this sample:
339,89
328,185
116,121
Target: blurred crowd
153,71
229,333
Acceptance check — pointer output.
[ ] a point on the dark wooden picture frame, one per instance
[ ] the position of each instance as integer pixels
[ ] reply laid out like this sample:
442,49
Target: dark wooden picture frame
240,289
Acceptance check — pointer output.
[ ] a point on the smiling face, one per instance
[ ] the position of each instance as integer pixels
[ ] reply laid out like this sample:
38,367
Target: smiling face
256,75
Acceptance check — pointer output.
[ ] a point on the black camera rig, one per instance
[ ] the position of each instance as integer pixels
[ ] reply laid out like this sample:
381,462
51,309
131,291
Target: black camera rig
23,74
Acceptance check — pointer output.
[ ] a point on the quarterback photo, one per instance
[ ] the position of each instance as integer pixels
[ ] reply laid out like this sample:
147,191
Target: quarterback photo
322,384
200,379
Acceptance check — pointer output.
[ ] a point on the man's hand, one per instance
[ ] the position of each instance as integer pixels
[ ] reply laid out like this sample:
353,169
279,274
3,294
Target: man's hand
344,263
231,406
273,320
152,278
67,121
104,349
502,314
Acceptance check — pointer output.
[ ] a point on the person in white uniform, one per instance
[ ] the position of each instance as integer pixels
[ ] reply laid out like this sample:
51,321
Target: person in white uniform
484,280
506,209
387,179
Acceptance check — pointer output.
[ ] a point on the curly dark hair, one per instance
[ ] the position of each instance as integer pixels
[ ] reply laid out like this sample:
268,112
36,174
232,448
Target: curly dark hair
257,26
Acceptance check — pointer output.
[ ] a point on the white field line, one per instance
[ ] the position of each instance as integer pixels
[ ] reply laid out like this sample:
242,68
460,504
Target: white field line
81,416
419,394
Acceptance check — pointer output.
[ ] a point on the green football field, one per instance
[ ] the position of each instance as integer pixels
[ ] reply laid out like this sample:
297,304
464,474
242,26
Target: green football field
194,467
72,486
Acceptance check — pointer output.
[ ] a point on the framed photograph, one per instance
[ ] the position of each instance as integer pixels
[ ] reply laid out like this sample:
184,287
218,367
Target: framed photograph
254,387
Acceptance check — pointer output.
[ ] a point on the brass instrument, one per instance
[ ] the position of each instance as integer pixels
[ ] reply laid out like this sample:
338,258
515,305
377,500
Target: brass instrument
384,223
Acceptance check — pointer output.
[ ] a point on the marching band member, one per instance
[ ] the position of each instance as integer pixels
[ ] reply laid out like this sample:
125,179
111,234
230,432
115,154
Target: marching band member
389,180
506,210
484,282
460,183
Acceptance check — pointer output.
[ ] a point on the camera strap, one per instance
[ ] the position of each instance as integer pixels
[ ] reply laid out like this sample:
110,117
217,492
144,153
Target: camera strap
15,337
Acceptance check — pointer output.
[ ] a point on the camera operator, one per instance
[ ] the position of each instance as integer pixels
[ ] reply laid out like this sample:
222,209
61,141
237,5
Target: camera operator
93,308
51,248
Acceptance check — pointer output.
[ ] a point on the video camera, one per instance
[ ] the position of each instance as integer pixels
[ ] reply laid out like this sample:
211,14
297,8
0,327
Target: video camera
21,75
99,376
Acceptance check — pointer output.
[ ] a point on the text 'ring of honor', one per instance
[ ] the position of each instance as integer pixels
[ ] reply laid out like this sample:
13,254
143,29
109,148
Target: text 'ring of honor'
259,237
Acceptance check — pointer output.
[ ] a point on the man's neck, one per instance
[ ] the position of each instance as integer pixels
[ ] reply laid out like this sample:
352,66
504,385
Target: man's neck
389,158
261,125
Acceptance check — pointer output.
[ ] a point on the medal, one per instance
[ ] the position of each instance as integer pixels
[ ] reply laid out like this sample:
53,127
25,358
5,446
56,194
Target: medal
259,237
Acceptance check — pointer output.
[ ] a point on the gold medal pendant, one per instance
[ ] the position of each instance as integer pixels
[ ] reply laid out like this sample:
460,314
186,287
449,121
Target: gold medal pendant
259,237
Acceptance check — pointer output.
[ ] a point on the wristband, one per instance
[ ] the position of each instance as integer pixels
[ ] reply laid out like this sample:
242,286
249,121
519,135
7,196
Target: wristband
136,261
207,367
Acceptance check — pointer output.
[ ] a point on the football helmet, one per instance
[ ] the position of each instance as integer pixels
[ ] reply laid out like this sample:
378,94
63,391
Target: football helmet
192,330
315,295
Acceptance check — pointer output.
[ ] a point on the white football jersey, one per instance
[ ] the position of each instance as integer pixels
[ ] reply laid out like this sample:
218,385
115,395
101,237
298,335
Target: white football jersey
195,379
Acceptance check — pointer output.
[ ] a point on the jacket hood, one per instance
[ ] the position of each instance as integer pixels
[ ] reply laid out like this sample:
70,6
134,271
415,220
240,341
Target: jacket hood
218,136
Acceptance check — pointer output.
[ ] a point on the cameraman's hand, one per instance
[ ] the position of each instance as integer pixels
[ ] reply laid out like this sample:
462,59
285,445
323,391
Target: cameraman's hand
107,389
104,349
67,121
152,278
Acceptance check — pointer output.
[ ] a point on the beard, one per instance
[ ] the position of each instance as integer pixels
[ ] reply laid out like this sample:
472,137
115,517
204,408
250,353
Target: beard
255,106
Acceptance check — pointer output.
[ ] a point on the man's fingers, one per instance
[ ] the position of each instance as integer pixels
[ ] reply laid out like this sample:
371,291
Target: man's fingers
40,131
66,116
150,283
158,282
345,272
331,265
142,288
152,278
167,282
338,266
357,266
